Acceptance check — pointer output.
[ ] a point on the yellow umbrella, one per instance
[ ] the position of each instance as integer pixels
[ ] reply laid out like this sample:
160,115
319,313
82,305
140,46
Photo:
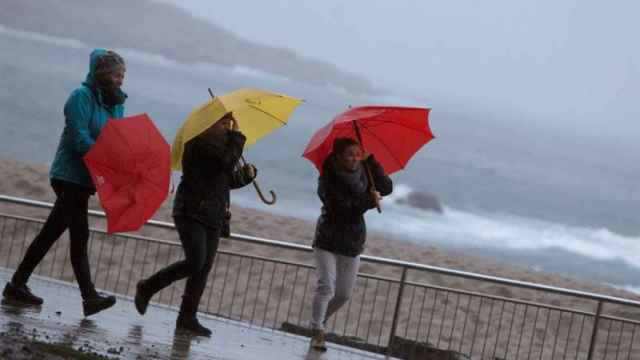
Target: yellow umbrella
257,112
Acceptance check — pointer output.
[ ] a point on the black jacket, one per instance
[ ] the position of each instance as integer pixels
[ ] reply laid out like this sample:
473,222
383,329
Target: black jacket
209,172
341,228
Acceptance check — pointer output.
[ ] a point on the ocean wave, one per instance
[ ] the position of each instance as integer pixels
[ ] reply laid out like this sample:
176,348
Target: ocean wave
504,231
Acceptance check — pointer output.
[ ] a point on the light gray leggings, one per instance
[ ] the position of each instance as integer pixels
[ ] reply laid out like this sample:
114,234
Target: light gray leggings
336,276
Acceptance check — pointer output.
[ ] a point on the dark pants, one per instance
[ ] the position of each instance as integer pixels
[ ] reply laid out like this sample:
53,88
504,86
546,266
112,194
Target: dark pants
200,244
70,211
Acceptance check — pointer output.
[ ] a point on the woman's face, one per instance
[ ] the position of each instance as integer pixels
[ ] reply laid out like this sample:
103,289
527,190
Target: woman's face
350,158
220,127
113,80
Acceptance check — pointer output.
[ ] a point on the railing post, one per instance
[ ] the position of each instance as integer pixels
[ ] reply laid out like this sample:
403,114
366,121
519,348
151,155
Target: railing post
396,312
594,333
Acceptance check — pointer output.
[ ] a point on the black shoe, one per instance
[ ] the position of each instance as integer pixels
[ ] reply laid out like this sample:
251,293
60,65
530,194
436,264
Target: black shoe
142,298
20,294
97,303
192,325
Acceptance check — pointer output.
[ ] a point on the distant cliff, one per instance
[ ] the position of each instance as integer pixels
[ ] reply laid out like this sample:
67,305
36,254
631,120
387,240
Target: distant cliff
165,29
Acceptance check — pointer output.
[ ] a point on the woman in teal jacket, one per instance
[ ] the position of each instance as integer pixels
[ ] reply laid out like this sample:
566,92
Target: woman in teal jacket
86,111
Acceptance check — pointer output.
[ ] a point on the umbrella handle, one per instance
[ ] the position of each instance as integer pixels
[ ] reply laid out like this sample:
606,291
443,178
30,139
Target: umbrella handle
258,190
366,166
261,195
255,183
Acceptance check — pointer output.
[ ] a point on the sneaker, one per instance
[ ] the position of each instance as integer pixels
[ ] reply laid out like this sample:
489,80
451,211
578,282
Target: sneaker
317,340
192,325
97,303
141,299
21,294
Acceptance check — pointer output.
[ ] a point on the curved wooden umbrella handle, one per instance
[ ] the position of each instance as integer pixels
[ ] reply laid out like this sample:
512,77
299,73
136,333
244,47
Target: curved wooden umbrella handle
255,184
261,195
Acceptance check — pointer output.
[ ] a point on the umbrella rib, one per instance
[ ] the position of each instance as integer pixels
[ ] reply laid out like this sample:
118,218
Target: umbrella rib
383,144
381,122
268,114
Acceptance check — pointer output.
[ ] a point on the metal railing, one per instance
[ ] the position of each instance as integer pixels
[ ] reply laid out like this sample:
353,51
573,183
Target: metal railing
408,311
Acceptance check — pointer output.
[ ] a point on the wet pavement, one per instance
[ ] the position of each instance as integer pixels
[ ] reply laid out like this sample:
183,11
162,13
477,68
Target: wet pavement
121,333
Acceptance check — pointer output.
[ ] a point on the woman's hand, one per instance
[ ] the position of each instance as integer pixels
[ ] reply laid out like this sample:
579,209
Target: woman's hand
250,170
376,195
234,125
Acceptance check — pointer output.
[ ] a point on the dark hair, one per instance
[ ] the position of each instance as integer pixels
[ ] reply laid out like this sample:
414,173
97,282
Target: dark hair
341,144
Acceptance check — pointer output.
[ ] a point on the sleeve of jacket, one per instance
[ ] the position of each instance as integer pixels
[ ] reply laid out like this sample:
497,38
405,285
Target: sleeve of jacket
225,155
78,111
383,182
341,204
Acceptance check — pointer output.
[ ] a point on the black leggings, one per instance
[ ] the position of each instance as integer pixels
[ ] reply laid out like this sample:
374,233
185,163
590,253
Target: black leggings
200,244
70,211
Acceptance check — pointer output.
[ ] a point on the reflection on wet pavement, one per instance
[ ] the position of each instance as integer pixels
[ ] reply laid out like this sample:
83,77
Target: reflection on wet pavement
121,333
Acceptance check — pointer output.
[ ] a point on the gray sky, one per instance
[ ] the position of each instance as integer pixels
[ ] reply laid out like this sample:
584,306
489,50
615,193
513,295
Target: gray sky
557,62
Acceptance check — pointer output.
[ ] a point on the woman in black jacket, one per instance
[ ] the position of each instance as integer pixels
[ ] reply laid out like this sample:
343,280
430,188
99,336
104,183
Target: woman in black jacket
201,215
346,194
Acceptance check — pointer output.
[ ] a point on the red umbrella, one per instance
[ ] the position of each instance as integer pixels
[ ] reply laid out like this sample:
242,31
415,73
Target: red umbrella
393,134
130,166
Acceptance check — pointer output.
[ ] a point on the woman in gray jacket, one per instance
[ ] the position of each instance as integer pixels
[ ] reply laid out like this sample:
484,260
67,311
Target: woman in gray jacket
346,194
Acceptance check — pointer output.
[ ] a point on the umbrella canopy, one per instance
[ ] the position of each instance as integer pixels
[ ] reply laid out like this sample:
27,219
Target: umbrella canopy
129,165
393,134
257,112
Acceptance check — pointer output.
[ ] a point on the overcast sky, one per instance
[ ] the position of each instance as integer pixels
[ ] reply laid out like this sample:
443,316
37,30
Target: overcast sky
559,62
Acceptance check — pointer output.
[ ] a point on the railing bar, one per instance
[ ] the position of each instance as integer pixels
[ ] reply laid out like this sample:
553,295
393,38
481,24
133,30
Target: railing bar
99,257
346,322
134,257
13,240
364,293
544,337
464,324
524,321
619,340
266,307
566,345
304,296
24,240
293,291
533,333
413,295
373,309
255,304
144,259
606,344
495,348
235,287
419,327
475,328
633,338
444,318
384,313
106,278
224,285
284,277
55,257
121,264
246,289
557,335
4,225
580,338
455,319
214,276
486,338
433,309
